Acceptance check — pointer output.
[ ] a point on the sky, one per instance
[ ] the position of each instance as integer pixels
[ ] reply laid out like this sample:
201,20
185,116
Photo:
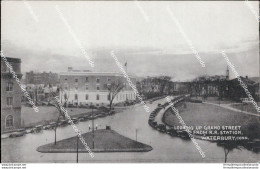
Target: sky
141,33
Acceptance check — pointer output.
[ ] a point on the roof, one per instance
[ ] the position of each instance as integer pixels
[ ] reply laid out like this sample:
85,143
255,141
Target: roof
14,60
94,74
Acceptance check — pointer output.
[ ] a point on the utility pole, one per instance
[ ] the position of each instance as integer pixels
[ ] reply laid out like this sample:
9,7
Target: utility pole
93,130
77,148
136,134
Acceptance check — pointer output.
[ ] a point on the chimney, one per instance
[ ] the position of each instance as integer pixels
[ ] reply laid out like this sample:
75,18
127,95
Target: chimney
70,69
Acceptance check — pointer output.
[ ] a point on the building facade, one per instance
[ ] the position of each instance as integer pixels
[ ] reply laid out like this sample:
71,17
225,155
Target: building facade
94,88
11,95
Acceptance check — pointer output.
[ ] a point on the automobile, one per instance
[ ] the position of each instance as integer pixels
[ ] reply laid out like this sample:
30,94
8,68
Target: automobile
161,127
185,135
102,115
75,120
17,134
62,123
86,117
154,124
38,128
29,131
46,127
52,125
81,119
170,130
111,112
99,115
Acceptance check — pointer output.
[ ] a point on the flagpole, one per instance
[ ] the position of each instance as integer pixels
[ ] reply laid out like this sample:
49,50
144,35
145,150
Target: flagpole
126,66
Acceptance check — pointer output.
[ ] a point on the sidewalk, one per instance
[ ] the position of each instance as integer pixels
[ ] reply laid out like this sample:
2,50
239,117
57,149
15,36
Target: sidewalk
227,106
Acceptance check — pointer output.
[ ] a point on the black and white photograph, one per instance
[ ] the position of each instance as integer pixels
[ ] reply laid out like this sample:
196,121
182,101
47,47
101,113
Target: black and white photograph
130,82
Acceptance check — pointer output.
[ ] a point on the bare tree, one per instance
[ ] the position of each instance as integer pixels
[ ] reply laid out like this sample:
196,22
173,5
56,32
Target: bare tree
228,146
58,105
114,88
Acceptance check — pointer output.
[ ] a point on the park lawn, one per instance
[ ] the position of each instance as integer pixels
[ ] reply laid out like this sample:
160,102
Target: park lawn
199,114
249,107
104,141
214,100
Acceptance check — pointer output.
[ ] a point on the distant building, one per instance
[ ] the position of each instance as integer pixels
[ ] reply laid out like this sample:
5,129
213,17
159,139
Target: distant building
257,87
236,91
92,88
41,78
11,95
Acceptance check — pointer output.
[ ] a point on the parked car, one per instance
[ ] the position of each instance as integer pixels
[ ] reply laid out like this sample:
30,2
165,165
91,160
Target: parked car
29,131
154,124
75,120
111,112
38,128
17,134
86,117
161,127
47,127
62,123
52,125
185,135
81,119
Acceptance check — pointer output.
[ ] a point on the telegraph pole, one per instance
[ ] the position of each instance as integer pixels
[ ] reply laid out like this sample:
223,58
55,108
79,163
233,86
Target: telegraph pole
93,130
136,134
77,149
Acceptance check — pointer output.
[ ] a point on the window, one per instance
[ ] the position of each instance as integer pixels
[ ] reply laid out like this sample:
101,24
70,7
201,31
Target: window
76,80
9,86
98,87
108,97
9,101
98,80
86,87
65,79
76,97
9,121
86,79
97,96
86,96
108,79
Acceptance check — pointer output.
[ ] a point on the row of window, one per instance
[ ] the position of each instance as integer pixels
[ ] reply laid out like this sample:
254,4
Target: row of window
122,96
76,88
97,80
86,97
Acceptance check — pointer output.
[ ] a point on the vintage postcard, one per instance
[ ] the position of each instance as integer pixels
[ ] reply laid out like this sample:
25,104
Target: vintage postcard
130,82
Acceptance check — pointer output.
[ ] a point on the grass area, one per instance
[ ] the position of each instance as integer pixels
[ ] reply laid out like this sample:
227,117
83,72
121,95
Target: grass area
214,100
104,141
199,114
249,107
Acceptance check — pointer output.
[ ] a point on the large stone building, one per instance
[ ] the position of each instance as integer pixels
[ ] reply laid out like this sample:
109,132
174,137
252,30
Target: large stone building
94,88
10,96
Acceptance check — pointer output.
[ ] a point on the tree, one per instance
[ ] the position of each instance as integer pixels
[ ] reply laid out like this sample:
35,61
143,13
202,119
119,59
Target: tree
229,145
163,82
114,88
58,106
